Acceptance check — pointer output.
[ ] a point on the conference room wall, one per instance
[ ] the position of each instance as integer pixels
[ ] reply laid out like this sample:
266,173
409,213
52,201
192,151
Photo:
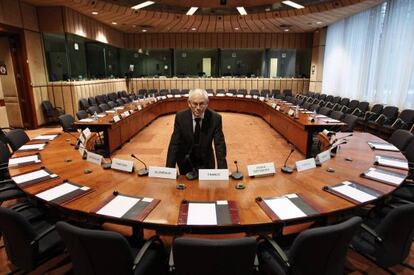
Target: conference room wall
318,52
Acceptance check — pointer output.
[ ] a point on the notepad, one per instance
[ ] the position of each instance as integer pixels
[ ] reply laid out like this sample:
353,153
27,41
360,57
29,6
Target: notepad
33,177
87,120
45,137
63,193
30,147
331,120
110,111
128,207
208,213
383,146
24,160
384,176
320,116
391,162
289,206
354,192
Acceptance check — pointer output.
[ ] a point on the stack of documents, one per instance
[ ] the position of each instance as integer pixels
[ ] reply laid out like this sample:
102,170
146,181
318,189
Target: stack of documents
33,177
391,162
383,146
64,193
354,192
45,137
32,147
21,161
384,176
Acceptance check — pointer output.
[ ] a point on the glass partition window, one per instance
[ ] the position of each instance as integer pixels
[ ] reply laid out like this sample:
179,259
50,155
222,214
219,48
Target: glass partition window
56,58
242,62
196,62
146,62
77,59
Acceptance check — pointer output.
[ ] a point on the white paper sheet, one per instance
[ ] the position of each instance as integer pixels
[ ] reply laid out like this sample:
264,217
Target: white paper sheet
285,208
40,146
352,192
118,206
374,173
49,137
384,146
392,163
57,191
331,120
30,176
87,120
21,160
202,214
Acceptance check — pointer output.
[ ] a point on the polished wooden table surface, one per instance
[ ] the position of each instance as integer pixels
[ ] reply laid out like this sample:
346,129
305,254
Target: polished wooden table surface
299,131
165,216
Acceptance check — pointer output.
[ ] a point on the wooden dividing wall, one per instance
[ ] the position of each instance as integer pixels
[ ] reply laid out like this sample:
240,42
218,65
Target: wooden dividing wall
219,40
67,94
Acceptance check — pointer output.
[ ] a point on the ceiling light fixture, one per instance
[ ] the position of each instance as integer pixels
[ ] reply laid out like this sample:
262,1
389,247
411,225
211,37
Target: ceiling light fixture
236,28
286,30
142,5
144,30
114,23
192,10
319,22
95,13
293,4
241,10
193,29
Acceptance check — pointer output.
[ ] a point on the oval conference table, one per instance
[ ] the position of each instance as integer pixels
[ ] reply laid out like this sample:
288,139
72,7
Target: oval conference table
352,159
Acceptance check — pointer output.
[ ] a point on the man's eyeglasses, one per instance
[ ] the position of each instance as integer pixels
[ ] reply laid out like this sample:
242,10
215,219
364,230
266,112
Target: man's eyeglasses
195,105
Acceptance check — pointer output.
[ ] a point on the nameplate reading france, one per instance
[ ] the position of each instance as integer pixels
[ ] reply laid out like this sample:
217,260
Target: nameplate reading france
116,118
305,164
262,169
213,174
94,158
324,156
122,165
162,172
291,112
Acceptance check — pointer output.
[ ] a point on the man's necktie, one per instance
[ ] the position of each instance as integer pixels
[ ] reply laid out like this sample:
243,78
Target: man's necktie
197,131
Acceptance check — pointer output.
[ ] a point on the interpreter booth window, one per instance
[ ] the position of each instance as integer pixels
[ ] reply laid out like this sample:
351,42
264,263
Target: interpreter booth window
242,63
196,62
56,58
289,62
112,62
76,55
102,60
146,62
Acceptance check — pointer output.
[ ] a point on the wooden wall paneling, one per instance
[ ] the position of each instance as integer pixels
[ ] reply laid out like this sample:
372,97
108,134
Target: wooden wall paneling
11,13
37,99
29,17
67,100
58,95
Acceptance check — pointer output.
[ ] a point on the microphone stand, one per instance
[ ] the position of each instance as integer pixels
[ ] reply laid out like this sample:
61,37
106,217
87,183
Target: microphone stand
80,146
288,169
236,175
141,172
193,174
77,140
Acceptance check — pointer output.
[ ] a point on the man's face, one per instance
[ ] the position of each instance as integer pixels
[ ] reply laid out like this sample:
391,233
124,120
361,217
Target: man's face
198,105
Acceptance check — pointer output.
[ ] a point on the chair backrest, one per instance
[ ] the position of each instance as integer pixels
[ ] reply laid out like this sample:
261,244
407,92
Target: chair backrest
163,92
142,92
94,109
210,91
264,92
322,96
397,232
287,92
344,101
185,91
218,257
350,121
46,106
4,153
81,114
242,92
377,108
83,104
175,91
353,104
401,138
111,104
363,106
276,93
220,91
67,122
409,152
153,92
391,112
337,115
17,138
254,92
120,102
17,234
407,116
322,250
96,251
113,96
92,101
104,107
324,111
100,99
329,98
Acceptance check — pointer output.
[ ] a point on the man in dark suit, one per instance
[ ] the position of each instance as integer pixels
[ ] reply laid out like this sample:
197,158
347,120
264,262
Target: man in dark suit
195,129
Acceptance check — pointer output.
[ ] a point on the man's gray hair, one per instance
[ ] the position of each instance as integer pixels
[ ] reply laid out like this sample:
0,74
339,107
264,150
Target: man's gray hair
193,92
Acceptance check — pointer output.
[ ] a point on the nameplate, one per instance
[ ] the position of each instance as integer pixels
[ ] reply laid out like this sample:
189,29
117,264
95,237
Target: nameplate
239,95
261,98
249,96
139,107
82,151
163,97
122,165
210,94
162,172
213,174
305,164
221,95
86,132
169,96
229,94
324,156
125,114
116,118
274,106
278,108
262,169
82,139
291,112
177,96
94,158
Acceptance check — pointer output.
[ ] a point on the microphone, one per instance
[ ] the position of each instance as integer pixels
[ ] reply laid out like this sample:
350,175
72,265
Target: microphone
193,174
77,139
141,172
288,169
344,137
335,147
107,165
236,175
80,146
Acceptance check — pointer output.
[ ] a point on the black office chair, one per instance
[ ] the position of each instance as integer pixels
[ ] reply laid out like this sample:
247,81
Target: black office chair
51,113
337,115
218,257
28,244
81,114
265,92
106,252
318,251
387,240
120,102
66,121
254,92
111,104
324,111
17,138
350,121
175,91
142,93
104,107
92,101
401,139
94,109
83,104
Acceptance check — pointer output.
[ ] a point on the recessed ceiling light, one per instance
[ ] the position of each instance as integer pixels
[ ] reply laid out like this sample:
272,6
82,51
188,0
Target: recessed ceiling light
192,10
267,9
193,29
236,28
286,30
293,4
319,22
144,30
241,10
95,12
142,5
134,26
114,23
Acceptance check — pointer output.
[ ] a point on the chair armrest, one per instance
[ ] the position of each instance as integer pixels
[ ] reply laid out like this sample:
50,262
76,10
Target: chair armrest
5,188
42,234
6,181
371,231
144,249
279,251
